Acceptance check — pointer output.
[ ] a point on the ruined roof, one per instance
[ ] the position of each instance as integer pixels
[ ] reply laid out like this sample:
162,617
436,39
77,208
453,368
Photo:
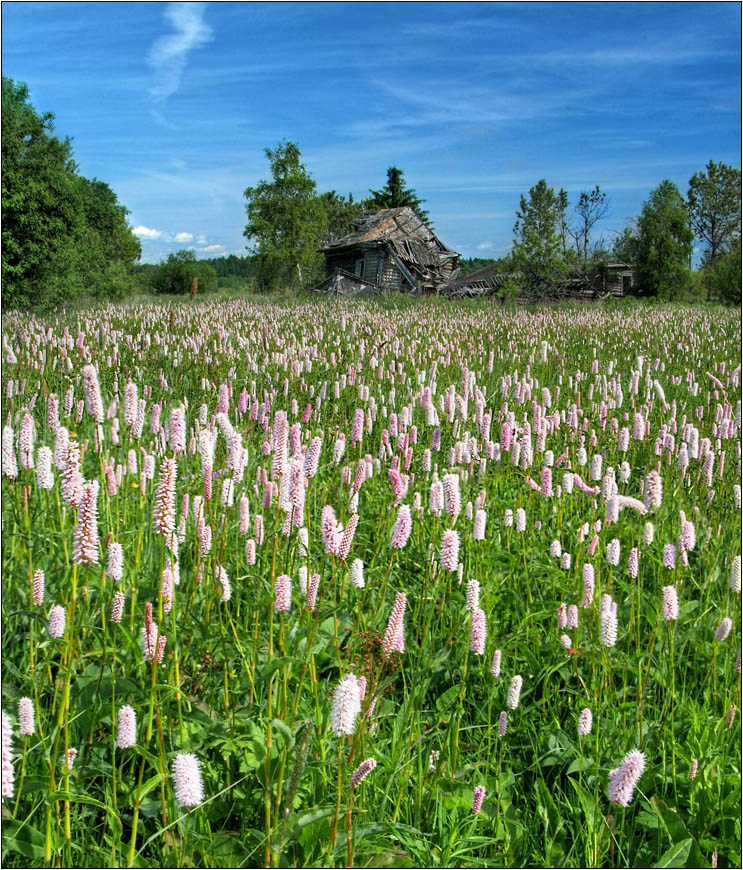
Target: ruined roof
481,282
399,227
343,283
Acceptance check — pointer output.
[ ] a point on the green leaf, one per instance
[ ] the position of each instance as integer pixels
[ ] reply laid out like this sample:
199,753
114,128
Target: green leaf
677,855
443,702
76,799
677,831
580,764
151,783
265,672
314,816
285,731
21,837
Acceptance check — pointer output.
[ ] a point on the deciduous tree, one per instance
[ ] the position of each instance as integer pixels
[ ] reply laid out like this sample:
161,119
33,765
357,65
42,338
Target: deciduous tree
341,212
537,257
286,220
664,244
176,274
591,207
713,201
62,234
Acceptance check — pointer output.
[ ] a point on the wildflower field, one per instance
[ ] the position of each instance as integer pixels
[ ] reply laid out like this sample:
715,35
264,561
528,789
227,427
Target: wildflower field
354,584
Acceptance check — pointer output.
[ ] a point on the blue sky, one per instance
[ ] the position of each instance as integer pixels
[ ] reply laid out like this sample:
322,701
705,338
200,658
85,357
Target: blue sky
172,104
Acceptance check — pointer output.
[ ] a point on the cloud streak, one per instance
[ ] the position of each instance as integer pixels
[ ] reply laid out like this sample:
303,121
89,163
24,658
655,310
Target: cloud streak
169,53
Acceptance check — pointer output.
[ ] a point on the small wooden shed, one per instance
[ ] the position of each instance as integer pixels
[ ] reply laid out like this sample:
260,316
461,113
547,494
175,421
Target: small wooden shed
618,278
392,250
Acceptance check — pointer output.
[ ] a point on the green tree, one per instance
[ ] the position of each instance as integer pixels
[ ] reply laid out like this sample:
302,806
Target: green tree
176,274
107,249
625,245
664,244
537,258
41,219
341,214
396,195
721,279
286,220
62,234
713,201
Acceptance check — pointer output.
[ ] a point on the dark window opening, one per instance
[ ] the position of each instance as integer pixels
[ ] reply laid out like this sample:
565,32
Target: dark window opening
360,268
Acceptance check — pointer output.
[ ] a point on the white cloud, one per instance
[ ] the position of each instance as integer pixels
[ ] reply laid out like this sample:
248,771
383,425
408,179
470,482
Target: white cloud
169,53
201,240
486,246
183,237
213,248
147,233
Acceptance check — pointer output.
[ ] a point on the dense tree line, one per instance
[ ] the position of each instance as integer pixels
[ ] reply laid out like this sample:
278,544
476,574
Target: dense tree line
550,247
63,235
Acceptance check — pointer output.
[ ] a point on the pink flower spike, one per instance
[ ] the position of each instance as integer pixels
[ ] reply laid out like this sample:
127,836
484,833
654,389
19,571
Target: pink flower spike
346,706
670,604
450,550
402,529
502,723
126,733
283,590
478,632
57,621
362,771
394,625
26,718
187,781
8,776
622,780
312,588
477,799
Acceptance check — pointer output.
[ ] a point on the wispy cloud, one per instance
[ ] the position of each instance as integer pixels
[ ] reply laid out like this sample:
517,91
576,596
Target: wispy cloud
169,53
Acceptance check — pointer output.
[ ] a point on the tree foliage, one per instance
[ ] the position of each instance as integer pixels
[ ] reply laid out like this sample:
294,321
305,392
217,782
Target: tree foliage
713,202
664,244
286,221
396,195
625,245
722,278
62,234
176,274
341,212
537,255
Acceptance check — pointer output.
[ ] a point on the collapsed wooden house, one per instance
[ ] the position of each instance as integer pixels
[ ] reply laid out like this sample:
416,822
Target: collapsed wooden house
483,282
610,278
389,250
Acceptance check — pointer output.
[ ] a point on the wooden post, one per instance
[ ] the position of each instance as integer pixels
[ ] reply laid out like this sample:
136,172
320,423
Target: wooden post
194,287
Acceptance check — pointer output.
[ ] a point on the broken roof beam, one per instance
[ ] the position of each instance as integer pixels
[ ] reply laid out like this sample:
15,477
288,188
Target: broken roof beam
400,265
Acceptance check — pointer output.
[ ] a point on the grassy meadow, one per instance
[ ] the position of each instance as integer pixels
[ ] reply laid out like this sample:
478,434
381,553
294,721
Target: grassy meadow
330,584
